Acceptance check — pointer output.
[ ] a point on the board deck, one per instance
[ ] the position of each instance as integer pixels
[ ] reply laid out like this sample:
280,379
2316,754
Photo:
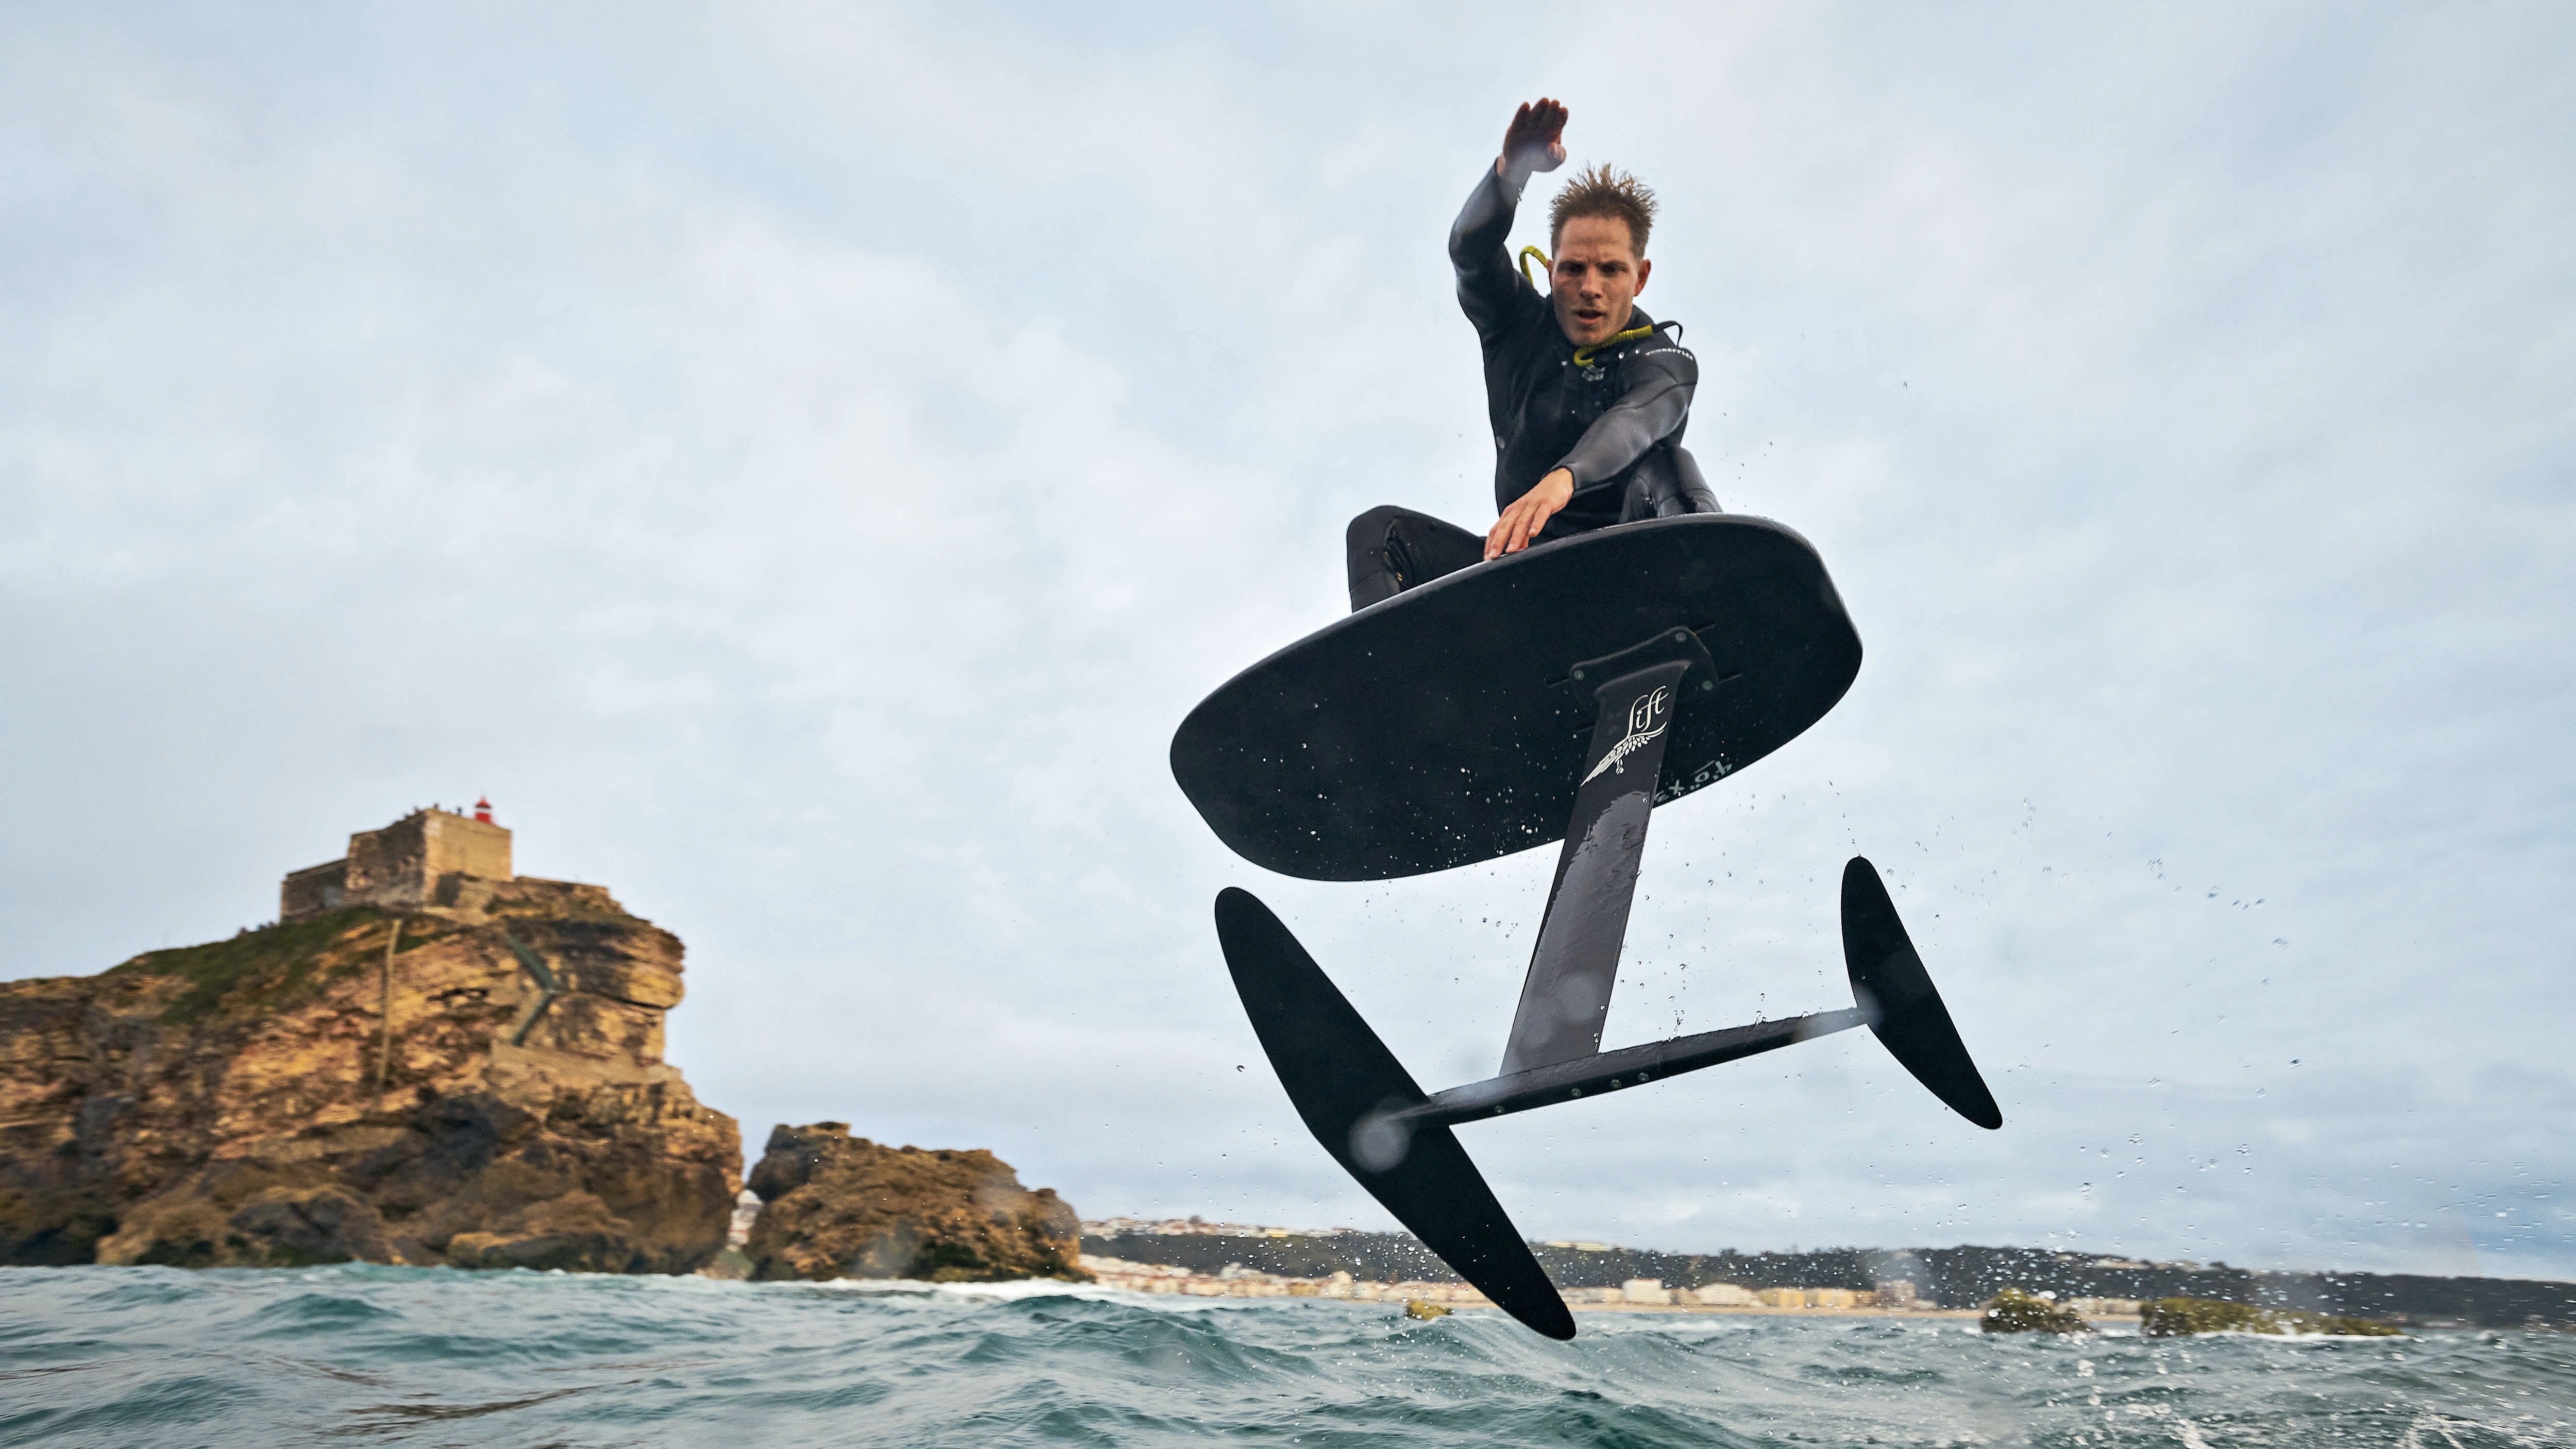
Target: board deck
1442,727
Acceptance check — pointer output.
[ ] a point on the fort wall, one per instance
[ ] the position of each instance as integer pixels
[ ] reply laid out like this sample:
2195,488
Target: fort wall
400,865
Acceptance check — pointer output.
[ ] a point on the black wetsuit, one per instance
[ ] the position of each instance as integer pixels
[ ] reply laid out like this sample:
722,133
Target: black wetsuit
1615,422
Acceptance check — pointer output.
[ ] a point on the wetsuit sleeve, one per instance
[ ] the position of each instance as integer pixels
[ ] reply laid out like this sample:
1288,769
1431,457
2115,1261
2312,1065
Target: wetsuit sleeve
1661,378
1491,291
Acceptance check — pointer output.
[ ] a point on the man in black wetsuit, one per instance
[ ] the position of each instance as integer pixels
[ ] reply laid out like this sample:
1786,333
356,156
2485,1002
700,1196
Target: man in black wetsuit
1588,395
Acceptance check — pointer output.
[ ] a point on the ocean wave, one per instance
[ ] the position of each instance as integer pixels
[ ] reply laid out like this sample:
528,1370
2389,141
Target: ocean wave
159,1356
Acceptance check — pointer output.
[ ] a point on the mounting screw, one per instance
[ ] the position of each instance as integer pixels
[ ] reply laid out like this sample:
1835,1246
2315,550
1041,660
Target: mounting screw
1578,674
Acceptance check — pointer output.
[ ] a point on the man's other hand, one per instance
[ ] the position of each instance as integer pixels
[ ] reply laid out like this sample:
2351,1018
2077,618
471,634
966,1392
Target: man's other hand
1528,514
1535,141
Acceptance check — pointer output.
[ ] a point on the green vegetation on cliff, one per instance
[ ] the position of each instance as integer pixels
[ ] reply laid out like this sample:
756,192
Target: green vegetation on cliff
266,969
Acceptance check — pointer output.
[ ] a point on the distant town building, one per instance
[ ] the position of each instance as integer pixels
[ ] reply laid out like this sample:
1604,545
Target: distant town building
1894,1293
1197,1227
1720,1295
418,860
1644,1290
1783,1297
1831,1298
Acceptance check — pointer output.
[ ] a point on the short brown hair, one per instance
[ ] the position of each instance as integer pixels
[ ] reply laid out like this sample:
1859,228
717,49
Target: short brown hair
1601,191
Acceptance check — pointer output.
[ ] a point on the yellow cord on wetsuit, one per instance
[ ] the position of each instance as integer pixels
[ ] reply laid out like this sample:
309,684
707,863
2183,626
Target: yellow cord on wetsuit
1583,355
1529,252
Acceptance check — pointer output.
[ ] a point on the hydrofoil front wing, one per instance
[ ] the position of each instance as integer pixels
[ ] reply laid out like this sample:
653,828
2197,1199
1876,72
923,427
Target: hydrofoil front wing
1352,1093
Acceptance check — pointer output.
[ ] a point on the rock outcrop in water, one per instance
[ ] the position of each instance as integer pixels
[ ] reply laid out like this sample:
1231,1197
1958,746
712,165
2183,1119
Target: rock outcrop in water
2182,1317
2014,1311
243,1103
837,1206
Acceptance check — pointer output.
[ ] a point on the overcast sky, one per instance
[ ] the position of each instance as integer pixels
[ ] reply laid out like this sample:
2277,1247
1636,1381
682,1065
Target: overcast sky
802,461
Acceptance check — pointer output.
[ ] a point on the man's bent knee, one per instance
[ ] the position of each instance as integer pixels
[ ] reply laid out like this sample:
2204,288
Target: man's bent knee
1370,529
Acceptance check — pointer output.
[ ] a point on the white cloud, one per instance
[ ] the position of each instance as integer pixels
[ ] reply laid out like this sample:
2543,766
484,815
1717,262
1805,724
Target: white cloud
803,462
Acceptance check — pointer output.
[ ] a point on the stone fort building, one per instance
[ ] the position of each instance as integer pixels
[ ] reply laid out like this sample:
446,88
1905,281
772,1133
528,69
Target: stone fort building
423,859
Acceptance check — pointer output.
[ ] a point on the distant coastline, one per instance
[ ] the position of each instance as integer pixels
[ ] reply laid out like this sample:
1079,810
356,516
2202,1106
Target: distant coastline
1247,1260
1642,1296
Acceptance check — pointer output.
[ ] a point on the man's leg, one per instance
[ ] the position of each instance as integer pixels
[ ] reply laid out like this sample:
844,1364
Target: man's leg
1393,549
1665,484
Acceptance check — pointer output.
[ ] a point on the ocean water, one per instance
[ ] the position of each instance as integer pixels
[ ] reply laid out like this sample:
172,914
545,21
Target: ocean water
367,1355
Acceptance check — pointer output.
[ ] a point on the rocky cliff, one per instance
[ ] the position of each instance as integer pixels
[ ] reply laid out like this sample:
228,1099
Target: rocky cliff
478,1082
836,1206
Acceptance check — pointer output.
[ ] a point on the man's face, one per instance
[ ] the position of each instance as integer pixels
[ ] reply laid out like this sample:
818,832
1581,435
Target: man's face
1598,273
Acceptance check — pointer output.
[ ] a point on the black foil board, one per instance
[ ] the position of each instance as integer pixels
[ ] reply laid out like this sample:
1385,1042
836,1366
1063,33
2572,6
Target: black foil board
1439,728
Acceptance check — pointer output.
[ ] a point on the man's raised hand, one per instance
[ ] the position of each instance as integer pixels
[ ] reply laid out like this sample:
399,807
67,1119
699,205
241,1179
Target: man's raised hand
1535,141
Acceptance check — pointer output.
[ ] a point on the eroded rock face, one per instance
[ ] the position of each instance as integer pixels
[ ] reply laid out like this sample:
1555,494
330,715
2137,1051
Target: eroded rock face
2014,1311
837,1206
240,1103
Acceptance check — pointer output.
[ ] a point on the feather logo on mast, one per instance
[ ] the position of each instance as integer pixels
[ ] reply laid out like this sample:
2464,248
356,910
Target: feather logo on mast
1643,727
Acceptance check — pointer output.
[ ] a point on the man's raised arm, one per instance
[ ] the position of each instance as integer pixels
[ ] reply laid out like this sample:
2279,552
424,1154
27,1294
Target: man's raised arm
1488,284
